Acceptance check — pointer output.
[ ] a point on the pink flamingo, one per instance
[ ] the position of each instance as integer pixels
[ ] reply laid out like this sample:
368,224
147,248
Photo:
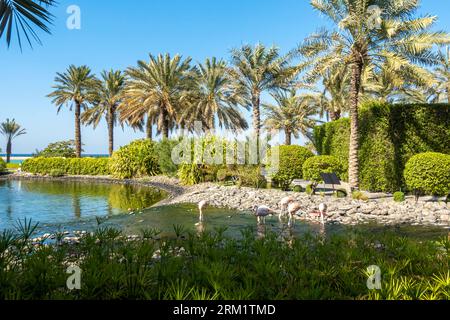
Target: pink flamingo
293,208
261,212
202,205
284,203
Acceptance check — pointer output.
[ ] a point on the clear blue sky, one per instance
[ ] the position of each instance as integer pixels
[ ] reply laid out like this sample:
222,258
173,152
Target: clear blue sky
115,34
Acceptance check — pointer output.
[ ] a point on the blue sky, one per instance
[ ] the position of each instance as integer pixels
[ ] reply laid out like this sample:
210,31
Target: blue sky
115,34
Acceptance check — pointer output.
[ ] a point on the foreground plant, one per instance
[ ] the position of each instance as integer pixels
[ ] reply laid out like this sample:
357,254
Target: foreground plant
212,265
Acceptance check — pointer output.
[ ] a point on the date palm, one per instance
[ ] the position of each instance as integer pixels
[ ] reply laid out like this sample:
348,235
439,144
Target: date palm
214,96
291,113
23,16
442,73
107,98
370,33
256,70
158,89
75,88
11,130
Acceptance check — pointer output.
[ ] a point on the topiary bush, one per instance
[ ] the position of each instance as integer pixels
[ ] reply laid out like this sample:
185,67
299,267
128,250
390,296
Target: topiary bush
290,165
399,196
428,173
137,159
250,176
71,166
314,166
2,165
297,188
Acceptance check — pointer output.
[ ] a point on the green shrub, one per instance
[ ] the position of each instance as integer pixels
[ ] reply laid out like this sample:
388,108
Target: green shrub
226,174
137,159
290,166
297,188
250,176
429,173
190,174
389,136
358,195
164,154
56,173
399,196
2,165
314,166
12,166
309,189
64,149
71,166
340,193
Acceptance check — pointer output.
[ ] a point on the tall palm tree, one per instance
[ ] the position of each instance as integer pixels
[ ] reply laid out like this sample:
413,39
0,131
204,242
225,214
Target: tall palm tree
10,129
442,73
291,113
215,97
22,16
158,89
359,41
258,69
106,100
75,87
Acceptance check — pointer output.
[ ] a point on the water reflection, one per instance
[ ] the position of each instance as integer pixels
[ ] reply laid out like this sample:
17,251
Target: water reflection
59,202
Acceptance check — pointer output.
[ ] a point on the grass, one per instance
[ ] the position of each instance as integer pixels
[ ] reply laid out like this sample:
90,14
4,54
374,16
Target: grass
211,266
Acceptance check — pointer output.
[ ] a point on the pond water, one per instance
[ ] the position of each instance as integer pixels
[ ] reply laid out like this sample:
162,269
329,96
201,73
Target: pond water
70,206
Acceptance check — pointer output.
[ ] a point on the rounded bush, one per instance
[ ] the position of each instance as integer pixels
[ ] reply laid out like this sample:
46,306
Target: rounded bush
297,188
428,173
290,165
399,196
135,160
314,166
2,165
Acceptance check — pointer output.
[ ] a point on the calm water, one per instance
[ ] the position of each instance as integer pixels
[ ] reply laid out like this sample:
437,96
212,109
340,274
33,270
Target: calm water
75,206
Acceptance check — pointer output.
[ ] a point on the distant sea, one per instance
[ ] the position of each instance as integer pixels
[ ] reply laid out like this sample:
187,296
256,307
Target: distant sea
21,156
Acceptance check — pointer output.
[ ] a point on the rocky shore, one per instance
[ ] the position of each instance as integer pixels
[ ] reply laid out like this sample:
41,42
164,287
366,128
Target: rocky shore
340,210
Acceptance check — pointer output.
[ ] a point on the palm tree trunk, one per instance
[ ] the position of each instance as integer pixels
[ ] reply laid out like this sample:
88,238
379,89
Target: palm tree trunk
353,165
164,123
111,114
148,128
256,120
8,150
77,129
287,134
335,115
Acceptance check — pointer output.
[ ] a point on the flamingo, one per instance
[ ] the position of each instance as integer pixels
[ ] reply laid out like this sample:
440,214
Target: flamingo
261,212
293,208
284,204
202,205
322,210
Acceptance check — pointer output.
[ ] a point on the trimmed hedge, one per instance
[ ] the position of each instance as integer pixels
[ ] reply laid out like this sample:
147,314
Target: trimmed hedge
389,136
429,173
70,166
137,159
291,159
2,165
314,166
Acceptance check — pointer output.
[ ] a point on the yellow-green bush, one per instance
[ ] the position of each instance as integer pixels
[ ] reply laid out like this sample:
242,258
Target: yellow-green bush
70,166
137,159
429,173
2,164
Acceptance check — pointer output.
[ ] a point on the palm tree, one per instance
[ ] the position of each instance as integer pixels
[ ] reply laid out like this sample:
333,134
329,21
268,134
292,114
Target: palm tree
158,89
359,41
292,113
10,129
442,73
22,16
75,87
214,96
106,101
255,70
